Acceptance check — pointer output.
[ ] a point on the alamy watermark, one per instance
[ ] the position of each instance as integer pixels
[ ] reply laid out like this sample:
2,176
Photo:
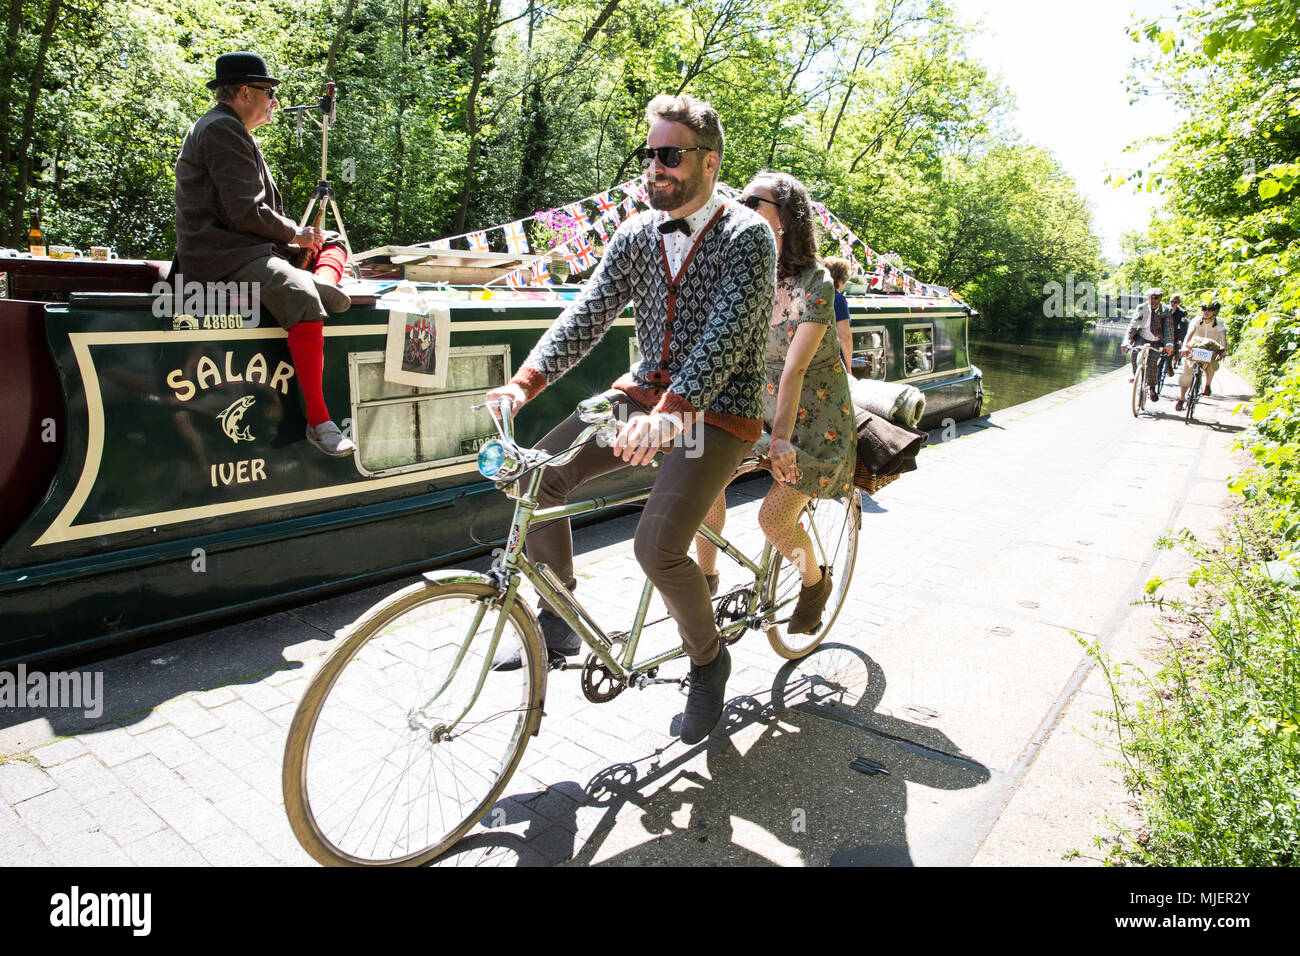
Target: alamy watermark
1073,299
79,690
208,305
76,908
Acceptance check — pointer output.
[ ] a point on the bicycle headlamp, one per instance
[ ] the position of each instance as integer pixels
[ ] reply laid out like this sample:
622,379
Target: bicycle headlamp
491,457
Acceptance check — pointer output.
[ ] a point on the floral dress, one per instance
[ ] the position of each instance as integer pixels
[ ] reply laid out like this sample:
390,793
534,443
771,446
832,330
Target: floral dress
824,437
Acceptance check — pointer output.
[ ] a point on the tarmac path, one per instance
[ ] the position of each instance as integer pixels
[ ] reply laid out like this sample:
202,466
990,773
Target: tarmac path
956,666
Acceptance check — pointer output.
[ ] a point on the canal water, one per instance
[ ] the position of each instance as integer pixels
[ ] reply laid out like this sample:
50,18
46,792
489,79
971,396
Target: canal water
1018,370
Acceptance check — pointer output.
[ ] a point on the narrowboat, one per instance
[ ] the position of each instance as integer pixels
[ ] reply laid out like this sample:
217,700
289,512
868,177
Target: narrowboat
154,474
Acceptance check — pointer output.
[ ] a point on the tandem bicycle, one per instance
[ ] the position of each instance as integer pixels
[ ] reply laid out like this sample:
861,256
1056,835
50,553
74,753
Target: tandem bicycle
406,736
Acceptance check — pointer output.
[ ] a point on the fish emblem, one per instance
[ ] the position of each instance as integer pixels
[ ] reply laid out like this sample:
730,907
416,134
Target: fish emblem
232,418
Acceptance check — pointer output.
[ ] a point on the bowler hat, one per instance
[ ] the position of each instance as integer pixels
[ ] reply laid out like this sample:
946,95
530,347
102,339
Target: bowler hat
240,68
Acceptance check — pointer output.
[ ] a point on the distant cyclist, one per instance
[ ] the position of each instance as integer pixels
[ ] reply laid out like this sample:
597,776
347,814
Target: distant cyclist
1205,332
1151,324
1179,315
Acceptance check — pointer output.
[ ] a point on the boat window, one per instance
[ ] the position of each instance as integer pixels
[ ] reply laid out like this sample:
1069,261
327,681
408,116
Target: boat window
405,427
870,346
918,349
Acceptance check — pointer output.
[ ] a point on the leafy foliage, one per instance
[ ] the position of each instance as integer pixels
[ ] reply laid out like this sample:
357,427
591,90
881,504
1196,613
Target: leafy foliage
1215,750
460,114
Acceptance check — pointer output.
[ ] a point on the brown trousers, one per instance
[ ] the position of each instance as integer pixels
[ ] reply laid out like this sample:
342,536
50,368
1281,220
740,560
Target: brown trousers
688,481
290,295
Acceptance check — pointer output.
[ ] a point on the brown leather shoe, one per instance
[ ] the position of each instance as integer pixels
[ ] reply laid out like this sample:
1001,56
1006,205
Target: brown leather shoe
808,609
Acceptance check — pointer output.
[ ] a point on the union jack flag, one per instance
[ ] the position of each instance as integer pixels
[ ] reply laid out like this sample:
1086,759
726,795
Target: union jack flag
515,279
599,226
541,275
629,206
846,249
585,255
854,266
516,241
607,206
566,253
478,241
639,194
579,215
441,244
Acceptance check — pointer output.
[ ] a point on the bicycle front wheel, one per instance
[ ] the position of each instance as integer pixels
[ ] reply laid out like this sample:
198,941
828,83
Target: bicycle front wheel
832,525
1140,385
1193,394
405,737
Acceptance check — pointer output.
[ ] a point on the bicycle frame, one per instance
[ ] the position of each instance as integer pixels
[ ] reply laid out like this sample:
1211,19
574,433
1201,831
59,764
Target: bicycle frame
512,565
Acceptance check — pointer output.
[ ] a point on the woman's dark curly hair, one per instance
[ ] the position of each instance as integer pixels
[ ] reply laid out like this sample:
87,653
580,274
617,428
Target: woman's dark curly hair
799,243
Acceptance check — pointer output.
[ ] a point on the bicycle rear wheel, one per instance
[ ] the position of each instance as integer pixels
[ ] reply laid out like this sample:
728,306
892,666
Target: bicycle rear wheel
391,758
832,525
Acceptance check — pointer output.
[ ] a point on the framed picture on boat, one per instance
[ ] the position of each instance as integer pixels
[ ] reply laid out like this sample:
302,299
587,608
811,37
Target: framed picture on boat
416,349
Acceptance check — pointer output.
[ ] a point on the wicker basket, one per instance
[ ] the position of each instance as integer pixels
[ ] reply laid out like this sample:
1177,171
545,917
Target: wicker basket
864,480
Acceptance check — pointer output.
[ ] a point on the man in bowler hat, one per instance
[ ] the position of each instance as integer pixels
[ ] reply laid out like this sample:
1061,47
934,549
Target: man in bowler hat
231,227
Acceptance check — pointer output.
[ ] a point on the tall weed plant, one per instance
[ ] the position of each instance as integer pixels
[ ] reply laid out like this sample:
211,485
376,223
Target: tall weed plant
1213,749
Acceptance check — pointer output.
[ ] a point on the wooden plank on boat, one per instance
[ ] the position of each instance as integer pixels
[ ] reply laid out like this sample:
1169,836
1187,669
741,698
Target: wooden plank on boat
461,266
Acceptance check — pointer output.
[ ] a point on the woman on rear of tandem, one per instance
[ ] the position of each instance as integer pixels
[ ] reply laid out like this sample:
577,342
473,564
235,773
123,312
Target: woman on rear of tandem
806,404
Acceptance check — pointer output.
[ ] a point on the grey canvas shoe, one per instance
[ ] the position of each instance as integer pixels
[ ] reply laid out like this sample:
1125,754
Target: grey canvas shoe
333,298
327,437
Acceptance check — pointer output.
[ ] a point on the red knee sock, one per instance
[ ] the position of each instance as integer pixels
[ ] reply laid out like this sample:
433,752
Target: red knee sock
307,346
330,264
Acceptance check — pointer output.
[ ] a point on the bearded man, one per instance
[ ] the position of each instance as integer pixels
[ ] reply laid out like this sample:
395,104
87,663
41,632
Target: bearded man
700,271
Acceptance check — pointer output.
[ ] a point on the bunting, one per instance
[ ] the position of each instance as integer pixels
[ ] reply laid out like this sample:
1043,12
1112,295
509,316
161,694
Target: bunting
608,207
516,240
541,274
578,252
579,215
585,256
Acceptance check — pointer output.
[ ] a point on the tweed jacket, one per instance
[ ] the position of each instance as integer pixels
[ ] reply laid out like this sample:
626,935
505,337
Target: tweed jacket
228,211
701,333
1158,328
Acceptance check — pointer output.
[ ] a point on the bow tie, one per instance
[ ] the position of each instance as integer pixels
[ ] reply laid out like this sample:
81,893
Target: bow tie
673,225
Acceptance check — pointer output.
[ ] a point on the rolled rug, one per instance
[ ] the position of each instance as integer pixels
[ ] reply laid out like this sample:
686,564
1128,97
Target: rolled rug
901,404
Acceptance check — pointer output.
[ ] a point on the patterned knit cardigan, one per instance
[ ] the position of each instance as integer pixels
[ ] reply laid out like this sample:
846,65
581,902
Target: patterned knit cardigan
701,339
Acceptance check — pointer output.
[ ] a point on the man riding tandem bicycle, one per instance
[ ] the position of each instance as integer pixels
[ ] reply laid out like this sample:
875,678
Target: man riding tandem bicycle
414,724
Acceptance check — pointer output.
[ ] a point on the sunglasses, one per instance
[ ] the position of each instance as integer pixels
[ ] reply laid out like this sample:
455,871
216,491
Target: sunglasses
670,156
752,202
268,90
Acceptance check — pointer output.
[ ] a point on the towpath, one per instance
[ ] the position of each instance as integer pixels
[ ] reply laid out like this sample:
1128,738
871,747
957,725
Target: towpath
956,666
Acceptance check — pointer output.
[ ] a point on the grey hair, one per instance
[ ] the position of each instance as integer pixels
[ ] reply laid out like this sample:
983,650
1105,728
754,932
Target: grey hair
226,92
